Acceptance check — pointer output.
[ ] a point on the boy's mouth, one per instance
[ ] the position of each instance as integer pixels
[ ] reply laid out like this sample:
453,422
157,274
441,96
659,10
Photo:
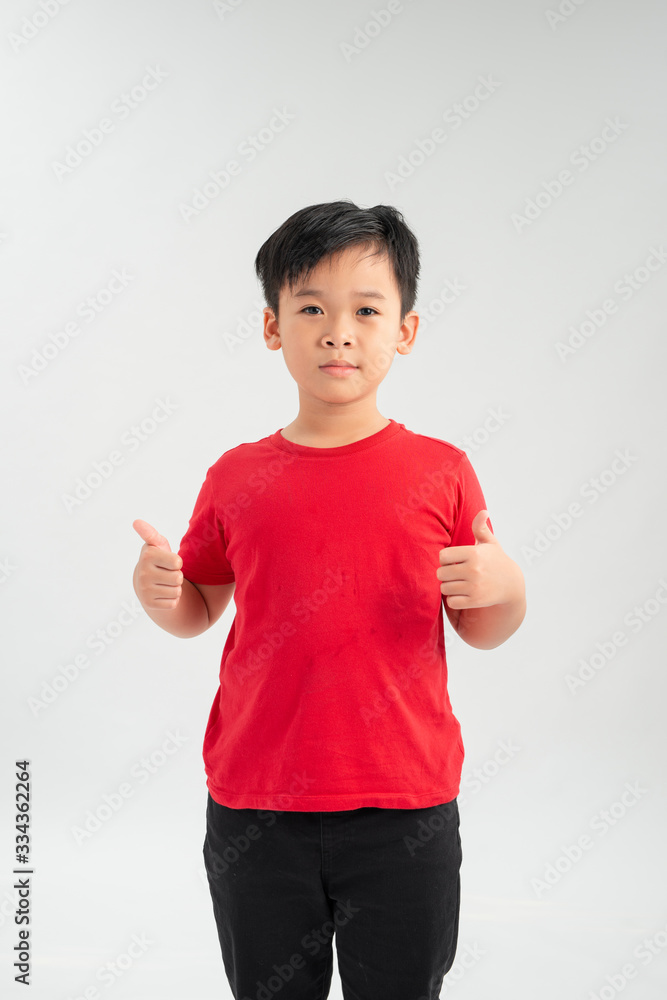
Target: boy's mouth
338,371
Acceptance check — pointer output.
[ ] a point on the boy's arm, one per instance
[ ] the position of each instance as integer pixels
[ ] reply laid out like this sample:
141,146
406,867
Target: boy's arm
187,619
486,628
199,606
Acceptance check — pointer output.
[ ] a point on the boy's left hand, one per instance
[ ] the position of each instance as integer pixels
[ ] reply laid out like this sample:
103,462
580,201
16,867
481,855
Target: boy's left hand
479,575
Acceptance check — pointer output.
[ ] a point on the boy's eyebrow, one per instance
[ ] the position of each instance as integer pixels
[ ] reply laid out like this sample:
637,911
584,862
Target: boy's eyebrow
368,293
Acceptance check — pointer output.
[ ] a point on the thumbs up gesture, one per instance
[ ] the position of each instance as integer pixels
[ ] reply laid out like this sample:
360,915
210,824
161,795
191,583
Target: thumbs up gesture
157,578
479,575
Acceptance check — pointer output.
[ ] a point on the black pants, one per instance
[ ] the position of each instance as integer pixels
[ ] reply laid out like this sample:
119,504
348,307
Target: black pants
385,881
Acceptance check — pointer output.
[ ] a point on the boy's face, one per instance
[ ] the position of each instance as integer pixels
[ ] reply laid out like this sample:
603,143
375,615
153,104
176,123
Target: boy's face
331,315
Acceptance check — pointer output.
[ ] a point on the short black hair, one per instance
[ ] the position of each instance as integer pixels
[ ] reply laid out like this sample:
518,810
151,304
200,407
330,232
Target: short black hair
318,231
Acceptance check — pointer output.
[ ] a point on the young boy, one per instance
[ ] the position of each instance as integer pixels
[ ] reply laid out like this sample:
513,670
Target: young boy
332,755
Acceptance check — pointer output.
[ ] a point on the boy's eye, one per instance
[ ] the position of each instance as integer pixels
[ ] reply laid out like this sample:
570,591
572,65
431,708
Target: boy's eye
368,308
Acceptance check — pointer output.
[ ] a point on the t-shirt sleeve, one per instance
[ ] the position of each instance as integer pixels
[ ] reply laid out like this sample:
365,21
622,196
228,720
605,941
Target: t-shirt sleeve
203,548
469,501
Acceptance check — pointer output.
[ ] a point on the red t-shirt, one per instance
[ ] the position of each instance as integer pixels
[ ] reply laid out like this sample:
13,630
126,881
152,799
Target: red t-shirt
333,679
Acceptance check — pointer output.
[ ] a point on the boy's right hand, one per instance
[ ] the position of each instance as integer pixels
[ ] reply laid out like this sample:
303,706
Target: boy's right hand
158,578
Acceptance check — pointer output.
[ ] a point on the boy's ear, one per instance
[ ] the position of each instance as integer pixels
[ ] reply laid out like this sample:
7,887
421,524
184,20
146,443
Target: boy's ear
408,332
271,331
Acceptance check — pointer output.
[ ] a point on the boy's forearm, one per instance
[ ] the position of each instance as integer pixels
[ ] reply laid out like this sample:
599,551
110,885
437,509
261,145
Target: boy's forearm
486,628
187,619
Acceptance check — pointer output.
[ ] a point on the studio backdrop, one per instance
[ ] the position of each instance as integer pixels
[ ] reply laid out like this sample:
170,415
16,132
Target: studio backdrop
149,149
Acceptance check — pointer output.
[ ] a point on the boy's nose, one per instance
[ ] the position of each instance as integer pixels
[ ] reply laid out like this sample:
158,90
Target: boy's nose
337,334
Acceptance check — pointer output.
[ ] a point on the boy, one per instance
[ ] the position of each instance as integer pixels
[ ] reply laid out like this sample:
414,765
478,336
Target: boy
332,755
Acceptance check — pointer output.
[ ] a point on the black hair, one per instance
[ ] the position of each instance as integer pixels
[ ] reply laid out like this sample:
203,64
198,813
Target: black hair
317,231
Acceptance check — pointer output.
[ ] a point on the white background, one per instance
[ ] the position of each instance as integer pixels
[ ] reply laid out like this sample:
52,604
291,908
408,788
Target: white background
362,98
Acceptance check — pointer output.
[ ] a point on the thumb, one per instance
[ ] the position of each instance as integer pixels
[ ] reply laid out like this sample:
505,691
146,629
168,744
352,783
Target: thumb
150,534
480,528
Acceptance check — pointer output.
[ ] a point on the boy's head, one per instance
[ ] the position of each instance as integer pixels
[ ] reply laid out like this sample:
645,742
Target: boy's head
316,232
340,282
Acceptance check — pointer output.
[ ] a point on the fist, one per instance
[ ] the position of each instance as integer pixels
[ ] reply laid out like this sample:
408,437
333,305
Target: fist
158,580
479,575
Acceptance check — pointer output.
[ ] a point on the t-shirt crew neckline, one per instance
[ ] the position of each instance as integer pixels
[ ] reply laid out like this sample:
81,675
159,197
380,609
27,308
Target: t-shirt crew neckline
277,439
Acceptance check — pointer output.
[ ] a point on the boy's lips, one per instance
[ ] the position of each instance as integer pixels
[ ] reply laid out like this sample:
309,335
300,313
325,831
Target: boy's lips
338,369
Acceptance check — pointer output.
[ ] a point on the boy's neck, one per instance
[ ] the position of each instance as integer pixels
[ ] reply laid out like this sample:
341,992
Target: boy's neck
300,432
